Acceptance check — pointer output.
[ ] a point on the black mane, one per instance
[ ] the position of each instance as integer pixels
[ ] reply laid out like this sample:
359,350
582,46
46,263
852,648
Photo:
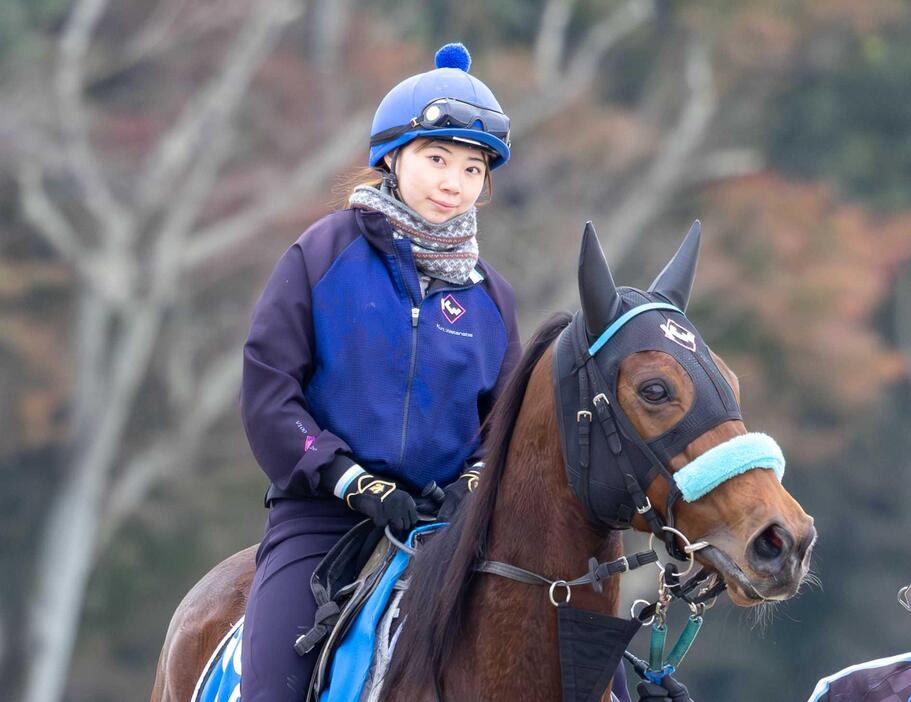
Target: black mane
441,574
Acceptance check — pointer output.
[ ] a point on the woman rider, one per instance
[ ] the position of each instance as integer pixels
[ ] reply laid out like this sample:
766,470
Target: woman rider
375,352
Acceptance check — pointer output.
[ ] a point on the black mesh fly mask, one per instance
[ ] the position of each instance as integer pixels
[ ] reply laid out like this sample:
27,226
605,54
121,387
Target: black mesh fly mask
609,465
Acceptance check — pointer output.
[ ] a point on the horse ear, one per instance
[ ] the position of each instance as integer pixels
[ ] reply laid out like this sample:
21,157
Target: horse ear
675,282
599,296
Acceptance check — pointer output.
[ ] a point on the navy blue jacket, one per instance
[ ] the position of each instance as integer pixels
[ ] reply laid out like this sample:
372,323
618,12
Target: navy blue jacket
346,360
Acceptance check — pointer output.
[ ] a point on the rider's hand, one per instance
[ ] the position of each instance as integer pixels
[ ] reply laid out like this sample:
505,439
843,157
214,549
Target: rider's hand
668,691
383,501
456,491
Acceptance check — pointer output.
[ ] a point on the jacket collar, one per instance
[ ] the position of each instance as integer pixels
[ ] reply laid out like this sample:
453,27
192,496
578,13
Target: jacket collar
376,228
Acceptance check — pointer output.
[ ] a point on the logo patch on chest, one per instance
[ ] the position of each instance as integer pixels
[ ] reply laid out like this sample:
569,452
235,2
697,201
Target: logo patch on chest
452,310
679,335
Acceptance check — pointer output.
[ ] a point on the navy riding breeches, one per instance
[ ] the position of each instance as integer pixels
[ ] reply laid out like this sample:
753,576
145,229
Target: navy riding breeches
281,606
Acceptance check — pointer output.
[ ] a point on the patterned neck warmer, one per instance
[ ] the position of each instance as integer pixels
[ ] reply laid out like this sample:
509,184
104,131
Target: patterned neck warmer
448,251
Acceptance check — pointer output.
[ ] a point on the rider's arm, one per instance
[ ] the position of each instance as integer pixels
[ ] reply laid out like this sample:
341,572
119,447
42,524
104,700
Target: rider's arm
278,362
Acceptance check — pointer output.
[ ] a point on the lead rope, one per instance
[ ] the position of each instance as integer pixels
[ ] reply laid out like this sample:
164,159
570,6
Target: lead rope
658,666
669,587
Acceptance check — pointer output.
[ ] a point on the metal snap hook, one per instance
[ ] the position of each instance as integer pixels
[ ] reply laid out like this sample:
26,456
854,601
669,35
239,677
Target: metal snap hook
634,615
553,587
904,597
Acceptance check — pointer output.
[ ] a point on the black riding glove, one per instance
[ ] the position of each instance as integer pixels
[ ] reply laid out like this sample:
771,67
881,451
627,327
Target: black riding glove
456,491
668,691
383,501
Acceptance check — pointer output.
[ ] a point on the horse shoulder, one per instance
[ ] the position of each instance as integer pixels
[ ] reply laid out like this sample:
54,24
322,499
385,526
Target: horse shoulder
201,620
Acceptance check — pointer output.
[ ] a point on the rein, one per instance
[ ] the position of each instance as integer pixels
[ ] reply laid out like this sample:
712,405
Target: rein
597,573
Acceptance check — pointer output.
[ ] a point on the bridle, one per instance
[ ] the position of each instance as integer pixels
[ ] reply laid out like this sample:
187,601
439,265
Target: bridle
585,398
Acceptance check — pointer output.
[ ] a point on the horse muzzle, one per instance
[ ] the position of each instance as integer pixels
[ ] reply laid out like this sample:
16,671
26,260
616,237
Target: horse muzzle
774,565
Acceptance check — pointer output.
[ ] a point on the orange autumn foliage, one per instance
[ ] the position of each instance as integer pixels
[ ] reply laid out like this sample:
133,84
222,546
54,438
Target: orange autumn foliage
798,279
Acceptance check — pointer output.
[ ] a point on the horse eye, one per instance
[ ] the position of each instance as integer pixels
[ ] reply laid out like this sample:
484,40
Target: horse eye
653,392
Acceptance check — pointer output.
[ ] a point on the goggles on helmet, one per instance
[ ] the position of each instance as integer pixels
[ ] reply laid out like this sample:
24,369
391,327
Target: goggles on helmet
446,113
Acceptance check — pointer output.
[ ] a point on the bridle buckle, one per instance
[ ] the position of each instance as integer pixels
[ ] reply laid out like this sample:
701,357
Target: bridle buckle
583,413
646,507
601,396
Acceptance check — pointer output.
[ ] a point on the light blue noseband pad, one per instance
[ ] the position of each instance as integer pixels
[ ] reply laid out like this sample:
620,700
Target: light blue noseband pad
727,460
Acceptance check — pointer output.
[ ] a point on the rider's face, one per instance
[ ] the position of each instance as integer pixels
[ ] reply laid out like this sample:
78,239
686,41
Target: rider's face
440,179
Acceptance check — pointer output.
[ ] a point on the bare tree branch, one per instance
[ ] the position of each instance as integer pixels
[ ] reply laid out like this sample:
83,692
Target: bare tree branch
157,34
310,174
206,116
669,168
181,174
553,96
47,220
727,163
601,38
179,379
171,23
551,41
216,393
169,246
67,551
331,19
114,221
667,172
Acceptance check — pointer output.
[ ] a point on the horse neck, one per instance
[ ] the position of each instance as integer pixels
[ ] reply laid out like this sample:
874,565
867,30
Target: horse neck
538,523
510,648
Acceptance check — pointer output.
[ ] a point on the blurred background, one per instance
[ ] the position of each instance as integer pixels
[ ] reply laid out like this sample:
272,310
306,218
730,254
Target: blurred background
157,157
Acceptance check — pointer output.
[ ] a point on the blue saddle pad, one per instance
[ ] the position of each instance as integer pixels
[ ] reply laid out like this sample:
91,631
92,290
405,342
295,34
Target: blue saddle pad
220,681
354,655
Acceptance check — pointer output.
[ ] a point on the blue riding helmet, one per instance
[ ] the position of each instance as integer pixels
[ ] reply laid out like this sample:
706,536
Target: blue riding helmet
446,102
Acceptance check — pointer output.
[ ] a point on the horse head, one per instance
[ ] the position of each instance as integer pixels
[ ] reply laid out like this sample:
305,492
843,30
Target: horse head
653,437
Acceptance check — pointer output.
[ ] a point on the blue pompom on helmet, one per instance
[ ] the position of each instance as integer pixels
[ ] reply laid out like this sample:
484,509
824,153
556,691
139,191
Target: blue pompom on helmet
446,102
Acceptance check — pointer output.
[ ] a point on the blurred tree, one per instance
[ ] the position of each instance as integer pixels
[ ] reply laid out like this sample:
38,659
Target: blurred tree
133,244
845,118
152,145
811,276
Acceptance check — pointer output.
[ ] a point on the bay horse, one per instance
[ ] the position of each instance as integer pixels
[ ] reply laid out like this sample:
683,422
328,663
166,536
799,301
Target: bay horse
470,635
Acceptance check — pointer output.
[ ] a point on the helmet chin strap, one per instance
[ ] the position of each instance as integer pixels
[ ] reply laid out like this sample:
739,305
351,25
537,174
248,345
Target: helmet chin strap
390,179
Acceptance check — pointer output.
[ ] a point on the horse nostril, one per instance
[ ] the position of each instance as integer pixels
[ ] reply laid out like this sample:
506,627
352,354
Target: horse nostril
770,544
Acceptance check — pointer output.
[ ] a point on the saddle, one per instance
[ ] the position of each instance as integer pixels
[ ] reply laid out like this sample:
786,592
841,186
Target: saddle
355,615
357,587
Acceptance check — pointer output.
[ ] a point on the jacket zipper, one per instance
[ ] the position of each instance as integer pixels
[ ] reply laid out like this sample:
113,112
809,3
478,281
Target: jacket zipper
415,313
